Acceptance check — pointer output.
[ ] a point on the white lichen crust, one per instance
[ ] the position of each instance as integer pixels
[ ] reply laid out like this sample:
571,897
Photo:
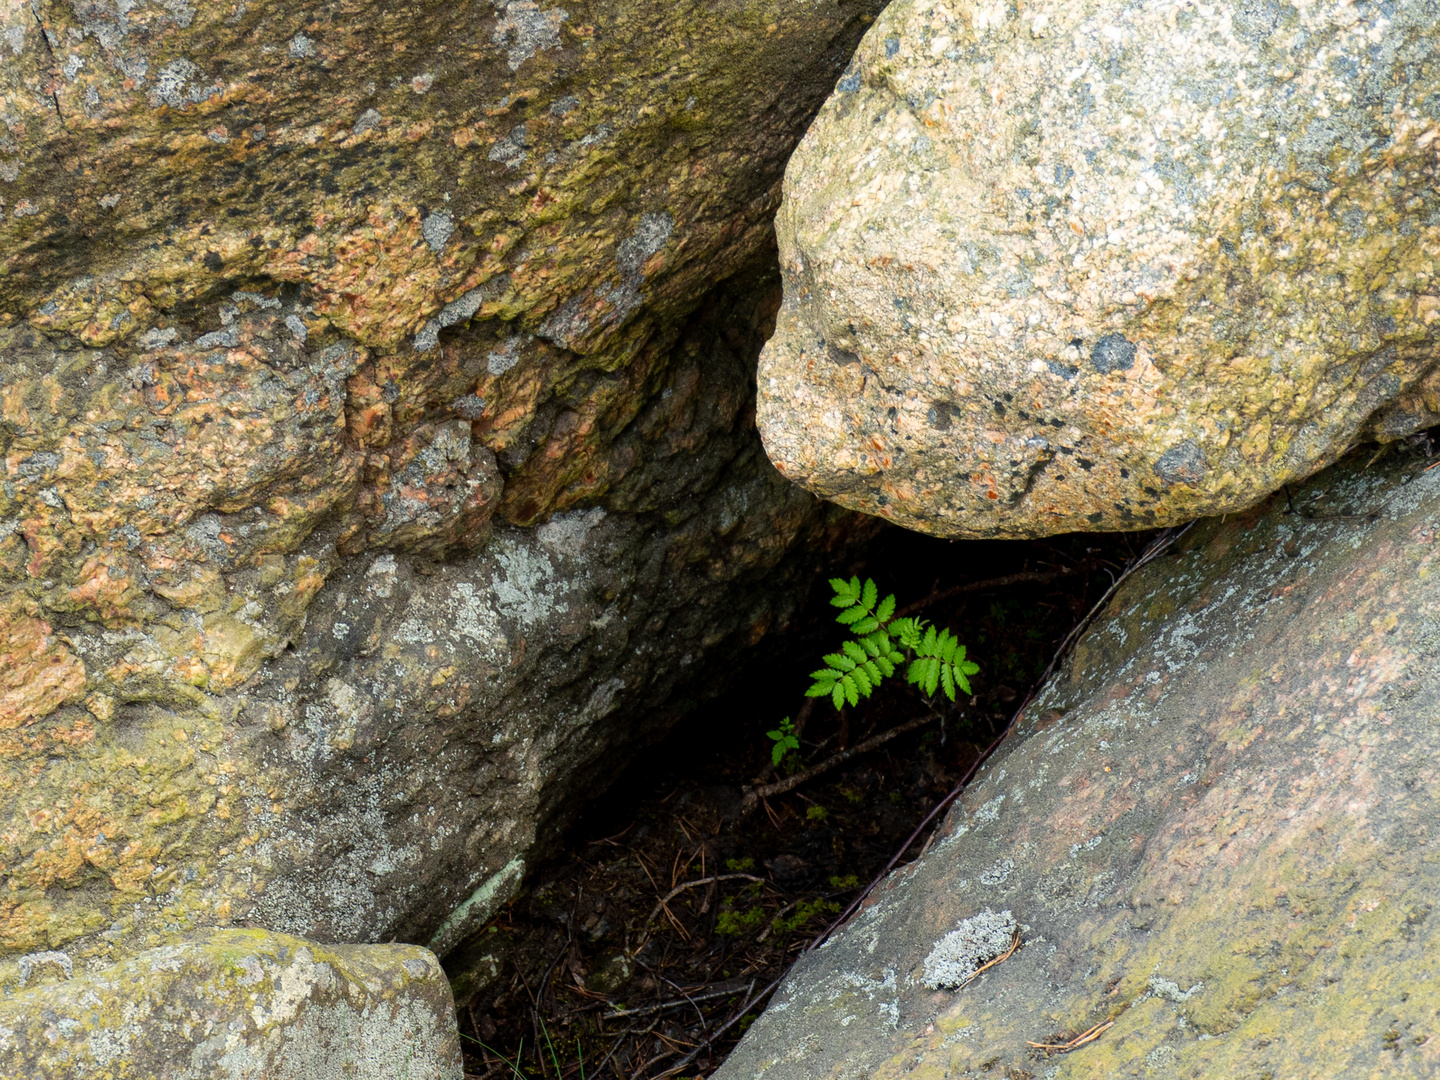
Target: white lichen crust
958,955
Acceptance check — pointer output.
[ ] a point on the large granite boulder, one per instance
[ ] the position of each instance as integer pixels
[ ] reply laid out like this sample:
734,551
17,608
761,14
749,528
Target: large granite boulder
1216,829
1104,265
379,464
239,1004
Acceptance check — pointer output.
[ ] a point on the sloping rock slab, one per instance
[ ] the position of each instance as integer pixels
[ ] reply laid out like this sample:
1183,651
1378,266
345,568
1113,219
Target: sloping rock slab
1216,830
237,1004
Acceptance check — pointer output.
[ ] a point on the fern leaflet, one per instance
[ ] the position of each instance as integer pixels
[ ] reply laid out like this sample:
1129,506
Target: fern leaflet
937,663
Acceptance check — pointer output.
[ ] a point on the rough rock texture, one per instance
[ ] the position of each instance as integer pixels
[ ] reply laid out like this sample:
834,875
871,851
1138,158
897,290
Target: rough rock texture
1106,265
1216,829
375,417
241,1004
236,721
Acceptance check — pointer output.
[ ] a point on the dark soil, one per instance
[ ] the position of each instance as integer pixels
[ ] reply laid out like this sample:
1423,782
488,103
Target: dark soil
594,976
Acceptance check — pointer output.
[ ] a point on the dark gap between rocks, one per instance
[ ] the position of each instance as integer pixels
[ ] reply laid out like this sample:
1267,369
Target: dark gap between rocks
574,978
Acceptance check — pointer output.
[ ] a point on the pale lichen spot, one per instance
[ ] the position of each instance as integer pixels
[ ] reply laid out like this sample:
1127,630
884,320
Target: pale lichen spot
524,30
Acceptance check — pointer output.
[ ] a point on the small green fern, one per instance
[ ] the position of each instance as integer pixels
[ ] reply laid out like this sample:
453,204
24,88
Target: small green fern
785,740
880,647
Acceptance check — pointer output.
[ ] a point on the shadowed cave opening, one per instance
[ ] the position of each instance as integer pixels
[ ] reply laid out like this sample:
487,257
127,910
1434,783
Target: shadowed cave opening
644,945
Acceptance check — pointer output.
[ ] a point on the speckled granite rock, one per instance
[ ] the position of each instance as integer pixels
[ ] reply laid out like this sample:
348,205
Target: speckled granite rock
1217,828
1101,265
379,465
245,1005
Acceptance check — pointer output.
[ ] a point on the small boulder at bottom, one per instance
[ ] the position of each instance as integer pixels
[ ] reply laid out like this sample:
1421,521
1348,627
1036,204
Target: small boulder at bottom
233,1004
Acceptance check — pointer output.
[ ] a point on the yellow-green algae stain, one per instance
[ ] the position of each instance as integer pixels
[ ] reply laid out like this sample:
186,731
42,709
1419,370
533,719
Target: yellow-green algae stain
239,1003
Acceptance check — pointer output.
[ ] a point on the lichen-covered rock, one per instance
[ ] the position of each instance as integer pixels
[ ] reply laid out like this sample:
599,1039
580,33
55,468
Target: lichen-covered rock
242,693
378,452
1216,829
408,166
239,1004
1102,265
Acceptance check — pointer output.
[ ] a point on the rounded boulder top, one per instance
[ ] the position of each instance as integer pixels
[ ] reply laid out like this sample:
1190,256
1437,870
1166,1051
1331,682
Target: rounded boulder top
1097,266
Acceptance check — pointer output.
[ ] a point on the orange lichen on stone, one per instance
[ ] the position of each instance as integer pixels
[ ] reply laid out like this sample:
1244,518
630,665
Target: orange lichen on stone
38,674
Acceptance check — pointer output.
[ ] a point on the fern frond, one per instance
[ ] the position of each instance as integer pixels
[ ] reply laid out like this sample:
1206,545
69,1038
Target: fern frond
945,646
907,630
963,670
882,645
927,643
847,593
861,678
878,643
925,673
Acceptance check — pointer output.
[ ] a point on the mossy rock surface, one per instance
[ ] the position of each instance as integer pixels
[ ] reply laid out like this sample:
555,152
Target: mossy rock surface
1215,830
376,429
237,1004
1095,265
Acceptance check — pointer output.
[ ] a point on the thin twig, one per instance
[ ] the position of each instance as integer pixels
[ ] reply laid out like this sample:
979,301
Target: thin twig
1077,1042
679,1045
1151,553
775,920
790,783
549,971
650,1010
1014,944
1028,577
704,1023
599,1069
775,821
713,879
750,1003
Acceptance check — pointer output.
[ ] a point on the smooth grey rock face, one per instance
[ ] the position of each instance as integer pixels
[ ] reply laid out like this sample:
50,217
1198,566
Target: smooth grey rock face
1215,828
235,1005
1104,265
